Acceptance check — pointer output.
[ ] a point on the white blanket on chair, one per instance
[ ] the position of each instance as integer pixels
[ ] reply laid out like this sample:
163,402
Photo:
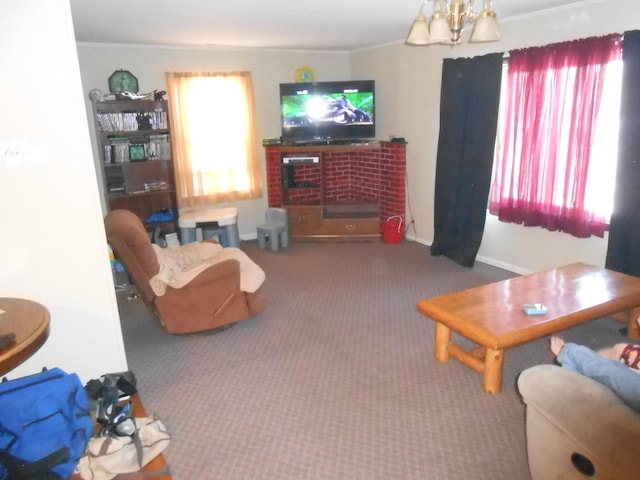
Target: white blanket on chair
181,264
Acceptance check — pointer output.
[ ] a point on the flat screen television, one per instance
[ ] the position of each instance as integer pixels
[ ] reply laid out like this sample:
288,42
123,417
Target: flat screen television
327,111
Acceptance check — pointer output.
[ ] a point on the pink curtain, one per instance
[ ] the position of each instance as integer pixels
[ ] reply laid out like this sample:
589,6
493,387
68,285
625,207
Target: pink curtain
553,99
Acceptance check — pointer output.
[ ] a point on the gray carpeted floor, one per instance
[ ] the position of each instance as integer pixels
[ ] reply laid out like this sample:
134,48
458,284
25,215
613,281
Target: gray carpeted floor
337,380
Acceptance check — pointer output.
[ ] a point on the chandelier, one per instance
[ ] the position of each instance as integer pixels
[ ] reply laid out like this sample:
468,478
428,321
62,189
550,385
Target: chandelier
448,20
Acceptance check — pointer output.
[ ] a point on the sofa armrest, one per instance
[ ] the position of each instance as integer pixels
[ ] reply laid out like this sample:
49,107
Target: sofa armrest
212,299
567,414
543,386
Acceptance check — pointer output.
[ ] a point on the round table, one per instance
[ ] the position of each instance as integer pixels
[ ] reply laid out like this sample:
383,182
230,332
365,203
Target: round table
29,322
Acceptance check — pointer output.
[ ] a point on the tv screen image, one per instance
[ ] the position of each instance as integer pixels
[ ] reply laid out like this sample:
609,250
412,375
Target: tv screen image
347,107
327,111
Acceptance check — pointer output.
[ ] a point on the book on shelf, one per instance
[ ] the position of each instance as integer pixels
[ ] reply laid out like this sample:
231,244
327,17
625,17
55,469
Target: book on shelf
159,147
132,121
159,120
119,153
153,185
106,154
114,180
136,149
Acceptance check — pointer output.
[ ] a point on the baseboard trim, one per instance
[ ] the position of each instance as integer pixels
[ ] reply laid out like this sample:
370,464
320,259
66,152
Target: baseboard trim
481,258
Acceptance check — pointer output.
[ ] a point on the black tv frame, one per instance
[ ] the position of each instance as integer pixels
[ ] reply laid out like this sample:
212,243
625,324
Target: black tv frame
328,132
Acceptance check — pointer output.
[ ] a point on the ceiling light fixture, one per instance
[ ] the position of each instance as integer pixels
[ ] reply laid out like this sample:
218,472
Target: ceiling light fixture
448,20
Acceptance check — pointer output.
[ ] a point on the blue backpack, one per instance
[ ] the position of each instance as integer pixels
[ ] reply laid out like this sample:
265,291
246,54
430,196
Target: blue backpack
45,425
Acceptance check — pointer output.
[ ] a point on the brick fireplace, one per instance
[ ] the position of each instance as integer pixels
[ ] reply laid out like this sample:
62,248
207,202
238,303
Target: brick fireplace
349,182
345,175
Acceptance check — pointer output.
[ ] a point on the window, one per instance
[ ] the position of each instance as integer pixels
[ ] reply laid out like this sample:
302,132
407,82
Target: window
215,154
557,136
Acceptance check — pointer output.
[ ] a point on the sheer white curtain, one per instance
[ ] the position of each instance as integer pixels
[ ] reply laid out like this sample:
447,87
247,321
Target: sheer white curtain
214,140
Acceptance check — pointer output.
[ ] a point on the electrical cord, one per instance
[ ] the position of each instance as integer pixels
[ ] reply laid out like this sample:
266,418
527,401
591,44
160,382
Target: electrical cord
411,223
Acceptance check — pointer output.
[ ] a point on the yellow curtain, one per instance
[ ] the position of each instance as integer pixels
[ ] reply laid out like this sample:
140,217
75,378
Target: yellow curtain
213,138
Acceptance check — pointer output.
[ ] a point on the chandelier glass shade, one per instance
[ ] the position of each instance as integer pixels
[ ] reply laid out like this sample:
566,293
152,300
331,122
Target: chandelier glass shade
448,20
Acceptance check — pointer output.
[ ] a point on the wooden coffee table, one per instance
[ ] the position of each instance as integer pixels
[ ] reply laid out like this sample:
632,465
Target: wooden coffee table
492,315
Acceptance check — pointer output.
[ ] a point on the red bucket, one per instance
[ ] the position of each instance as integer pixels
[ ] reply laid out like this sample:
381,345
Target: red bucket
393,230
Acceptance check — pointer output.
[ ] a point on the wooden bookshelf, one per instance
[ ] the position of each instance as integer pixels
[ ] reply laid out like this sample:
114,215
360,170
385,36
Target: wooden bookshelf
134,142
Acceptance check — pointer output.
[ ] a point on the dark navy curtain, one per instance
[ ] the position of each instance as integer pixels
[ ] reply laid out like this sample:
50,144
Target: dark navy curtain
623,253
469,103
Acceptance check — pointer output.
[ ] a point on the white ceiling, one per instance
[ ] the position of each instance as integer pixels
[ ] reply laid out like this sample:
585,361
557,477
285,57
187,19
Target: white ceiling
343,25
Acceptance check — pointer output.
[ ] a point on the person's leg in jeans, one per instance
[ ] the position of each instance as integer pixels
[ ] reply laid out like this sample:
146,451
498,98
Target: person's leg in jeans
624,381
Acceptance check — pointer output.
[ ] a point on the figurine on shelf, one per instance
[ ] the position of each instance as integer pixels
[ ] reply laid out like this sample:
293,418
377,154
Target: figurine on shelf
134,96
144,121
98,95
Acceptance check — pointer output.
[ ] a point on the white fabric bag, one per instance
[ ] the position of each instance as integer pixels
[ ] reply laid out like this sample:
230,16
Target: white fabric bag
106,457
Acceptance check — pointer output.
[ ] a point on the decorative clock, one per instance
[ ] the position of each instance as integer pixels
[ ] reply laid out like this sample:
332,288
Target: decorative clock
123,81
303,75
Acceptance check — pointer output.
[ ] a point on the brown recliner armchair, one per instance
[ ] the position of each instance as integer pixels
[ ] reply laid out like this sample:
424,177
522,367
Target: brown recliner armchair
209,302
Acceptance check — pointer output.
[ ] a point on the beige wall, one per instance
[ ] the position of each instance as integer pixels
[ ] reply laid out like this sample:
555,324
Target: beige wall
408,95
268,69
409,106
52,248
